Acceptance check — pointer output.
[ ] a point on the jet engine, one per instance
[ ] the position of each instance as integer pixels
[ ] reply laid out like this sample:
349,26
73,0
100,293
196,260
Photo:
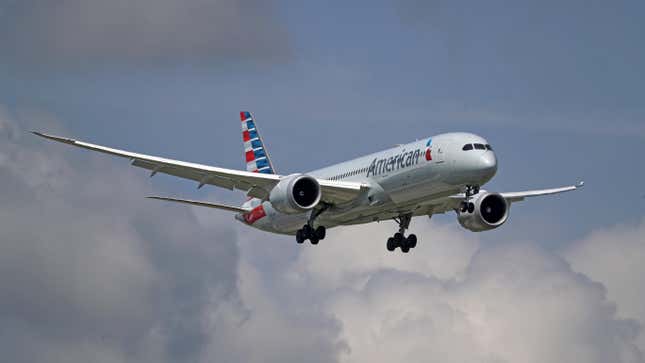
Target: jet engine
490,211
295,194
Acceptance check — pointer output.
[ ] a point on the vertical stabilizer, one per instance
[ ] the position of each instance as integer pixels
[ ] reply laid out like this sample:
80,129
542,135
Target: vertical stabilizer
257,156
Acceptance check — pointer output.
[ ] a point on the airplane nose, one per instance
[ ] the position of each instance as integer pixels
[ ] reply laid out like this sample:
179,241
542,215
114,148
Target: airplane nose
488,163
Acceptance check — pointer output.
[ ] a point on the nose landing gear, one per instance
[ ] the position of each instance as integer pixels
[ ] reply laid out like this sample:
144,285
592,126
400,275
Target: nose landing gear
399,239
467,205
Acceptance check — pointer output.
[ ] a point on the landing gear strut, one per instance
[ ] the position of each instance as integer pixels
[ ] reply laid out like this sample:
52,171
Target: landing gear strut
308,232
399,239
467,205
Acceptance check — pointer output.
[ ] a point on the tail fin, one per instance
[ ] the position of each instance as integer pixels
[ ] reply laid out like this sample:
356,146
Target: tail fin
257,156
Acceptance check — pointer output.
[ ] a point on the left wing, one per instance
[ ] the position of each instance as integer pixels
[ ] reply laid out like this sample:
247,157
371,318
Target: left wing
519,196
452,202
256,185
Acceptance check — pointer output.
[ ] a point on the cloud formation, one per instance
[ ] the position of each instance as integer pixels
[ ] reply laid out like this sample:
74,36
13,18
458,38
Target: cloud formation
89,270
92,271
614,257
503,303
80,32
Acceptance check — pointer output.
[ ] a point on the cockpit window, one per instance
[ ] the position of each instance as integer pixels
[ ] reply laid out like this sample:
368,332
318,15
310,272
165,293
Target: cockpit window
467,147
488,147
480,147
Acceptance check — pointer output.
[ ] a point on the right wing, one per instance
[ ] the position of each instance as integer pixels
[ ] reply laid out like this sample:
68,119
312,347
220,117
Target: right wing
257,185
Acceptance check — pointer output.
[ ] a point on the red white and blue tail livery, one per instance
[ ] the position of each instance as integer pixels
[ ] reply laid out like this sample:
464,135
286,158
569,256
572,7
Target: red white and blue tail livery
422,178
257,157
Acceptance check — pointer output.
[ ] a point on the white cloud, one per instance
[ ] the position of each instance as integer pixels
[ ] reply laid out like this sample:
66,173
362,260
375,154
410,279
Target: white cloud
516,303
615,257
357,252
451,300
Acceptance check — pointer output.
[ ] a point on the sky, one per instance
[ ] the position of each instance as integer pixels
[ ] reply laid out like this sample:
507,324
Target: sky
92,271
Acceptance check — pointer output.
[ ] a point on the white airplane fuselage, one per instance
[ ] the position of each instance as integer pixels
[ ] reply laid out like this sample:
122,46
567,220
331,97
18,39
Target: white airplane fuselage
414,176
430,176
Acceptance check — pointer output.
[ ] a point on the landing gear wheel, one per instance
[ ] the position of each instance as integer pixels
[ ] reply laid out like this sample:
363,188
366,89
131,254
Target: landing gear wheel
391,245
299,237
464,207
398,238
307,231
321,232
412,240
471,207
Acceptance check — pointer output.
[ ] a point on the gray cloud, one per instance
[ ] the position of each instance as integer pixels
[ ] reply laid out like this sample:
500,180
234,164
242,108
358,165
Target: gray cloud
90,271
78,33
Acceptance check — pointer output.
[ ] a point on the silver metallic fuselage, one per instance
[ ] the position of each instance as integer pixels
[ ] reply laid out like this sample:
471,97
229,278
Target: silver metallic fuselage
411,178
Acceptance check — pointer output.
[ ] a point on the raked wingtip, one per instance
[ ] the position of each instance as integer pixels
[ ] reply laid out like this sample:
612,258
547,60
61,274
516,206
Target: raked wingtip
54,138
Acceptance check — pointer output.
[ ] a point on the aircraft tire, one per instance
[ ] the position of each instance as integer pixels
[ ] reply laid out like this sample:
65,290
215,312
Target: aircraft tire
307,231
412,241
391,245
398,238
471,207
321,233
299,237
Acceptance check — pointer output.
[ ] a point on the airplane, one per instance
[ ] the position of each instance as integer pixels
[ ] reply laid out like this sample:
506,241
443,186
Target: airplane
435,175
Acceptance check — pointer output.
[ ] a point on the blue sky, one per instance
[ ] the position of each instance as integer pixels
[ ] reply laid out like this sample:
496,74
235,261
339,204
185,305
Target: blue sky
557,87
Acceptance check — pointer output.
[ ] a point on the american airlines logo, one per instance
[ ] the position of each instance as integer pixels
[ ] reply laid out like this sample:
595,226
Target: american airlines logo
400,161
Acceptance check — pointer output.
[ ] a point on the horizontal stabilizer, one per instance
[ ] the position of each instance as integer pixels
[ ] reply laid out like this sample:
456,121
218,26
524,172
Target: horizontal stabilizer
204,204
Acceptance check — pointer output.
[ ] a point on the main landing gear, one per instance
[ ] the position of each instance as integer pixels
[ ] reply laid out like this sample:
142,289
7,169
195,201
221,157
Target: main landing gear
308,232
467,205
399,239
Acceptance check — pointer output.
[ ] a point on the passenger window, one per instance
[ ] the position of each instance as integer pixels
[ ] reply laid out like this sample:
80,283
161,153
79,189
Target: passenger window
488,147
480,147
467,147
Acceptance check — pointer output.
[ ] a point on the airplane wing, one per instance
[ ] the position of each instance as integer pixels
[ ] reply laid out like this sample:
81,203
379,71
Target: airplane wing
519,196
256,185
452,202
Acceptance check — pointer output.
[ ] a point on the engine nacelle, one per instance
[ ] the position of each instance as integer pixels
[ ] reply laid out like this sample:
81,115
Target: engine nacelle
491,211
295,194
